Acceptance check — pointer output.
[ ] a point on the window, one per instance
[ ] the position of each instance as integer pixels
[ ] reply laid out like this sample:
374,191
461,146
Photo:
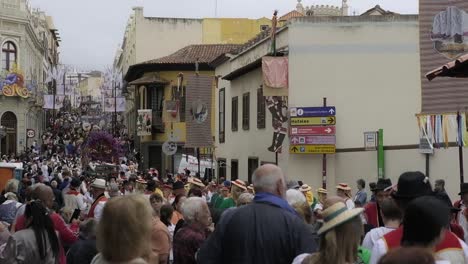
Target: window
235,113
9,55
234,170
222,119
252,166
221,168
246,111
260,108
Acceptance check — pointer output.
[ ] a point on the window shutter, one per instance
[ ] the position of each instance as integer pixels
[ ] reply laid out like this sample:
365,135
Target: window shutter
235,114
246,111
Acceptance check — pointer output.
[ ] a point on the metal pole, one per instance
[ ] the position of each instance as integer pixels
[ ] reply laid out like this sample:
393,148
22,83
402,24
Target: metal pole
380,156
427,164
460,151
115,110
54,87
324,159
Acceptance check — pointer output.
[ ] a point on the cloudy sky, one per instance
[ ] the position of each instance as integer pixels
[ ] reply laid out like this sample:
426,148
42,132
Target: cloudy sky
91,30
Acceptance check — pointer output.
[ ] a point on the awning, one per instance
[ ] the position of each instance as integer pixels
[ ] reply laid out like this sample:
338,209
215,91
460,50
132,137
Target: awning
457,68
149,80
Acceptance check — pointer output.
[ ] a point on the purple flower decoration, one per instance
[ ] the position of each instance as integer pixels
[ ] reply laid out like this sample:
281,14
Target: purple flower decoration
102,146
11,79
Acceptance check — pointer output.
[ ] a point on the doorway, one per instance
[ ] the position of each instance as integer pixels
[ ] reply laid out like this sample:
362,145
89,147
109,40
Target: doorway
234,170
8,143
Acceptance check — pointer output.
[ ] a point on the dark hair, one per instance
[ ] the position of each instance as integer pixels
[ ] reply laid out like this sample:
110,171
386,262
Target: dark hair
435,215
361,183
157,197
42,225
372,185
151,185
390,210
440,182
195,192
408,255
176,200
165,214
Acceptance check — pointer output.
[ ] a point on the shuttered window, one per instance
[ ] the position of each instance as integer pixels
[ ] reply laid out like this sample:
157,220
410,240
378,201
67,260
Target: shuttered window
251,167
246,111
235,113
222,119
261,112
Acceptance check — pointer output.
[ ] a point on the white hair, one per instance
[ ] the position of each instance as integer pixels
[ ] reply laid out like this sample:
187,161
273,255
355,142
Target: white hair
267,182
12,186
245,198
191,206
295,197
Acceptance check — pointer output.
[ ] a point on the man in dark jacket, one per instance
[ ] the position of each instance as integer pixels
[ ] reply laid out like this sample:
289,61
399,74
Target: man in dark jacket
84,250
265,231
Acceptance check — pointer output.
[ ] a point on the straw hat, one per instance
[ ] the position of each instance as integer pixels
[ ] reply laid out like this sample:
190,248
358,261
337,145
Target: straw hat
99,184
196,181
336,215
322,190
240,184
305,188
343,186
250,187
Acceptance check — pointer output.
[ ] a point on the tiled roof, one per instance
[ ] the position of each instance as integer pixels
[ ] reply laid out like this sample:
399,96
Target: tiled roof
191,54
290,15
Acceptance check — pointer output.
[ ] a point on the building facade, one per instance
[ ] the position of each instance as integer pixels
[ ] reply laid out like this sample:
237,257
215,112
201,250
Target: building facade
366,66
29,45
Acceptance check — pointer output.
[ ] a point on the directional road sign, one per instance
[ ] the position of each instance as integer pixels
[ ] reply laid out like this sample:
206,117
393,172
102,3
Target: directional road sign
312,149
312,111
313,130
313,121
313,140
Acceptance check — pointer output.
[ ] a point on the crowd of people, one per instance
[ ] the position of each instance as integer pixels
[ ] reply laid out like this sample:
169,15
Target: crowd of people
60,213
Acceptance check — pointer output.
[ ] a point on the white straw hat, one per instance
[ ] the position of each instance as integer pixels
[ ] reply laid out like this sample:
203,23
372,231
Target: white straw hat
240,184
99,183
336,215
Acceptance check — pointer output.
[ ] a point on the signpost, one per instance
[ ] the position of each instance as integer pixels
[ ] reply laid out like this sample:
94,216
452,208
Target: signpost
312,111
313,140
312,149
312,130
30,133
312,121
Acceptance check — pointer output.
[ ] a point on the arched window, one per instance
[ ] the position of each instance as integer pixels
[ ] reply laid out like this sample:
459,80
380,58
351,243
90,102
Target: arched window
9,55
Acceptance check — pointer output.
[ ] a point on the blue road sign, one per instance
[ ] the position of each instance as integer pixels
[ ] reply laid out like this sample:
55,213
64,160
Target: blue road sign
312,111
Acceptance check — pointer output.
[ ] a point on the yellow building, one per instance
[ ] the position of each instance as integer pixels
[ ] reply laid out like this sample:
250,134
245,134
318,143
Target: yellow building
232,30
155,82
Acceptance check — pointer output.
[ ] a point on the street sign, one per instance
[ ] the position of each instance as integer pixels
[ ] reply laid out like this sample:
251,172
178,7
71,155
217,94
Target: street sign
313,130
370,140
313,121
30,133
312,111
312,149
313,140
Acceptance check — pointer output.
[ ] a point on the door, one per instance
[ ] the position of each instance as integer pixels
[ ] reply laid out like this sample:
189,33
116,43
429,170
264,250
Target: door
155,158
234,170
8,143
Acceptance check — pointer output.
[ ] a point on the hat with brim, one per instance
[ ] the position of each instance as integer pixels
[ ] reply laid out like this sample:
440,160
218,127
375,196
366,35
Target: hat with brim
336,215
382,184
412,185
463,188
196,181
343,186
305,188
250,187
99,184
240,184
322,190
178,185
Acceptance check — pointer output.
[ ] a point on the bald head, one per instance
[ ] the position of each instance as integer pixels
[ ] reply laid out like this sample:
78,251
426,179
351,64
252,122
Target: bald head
332,200
269,178
45,194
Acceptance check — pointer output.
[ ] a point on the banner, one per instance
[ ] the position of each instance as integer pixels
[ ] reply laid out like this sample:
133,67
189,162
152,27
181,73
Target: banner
109,104
275,72
171,111
198,113
443,26
144,122
49,101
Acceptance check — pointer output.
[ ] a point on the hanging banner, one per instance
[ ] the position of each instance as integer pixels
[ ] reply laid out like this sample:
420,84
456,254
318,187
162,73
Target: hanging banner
109,104
49,101
171,111
275,72
198,114
144,122
443,32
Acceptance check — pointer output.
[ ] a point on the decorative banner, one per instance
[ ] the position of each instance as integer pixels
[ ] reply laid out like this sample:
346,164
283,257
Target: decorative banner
109,104
169,148
171,111
278,107
443,33
49,101
275,76
198,123
14,84
144,122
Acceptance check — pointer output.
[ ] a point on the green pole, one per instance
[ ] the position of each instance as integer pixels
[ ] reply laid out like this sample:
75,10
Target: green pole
380,155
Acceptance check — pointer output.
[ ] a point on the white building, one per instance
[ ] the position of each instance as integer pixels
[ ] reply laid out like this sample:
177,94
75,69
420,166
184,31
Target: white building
29,41
366,66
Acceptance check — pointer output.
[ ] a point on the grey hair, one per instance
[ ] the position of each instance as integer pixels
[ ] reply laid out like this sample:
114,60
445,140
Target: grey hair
12,185
113,190
245,198
267,182
295,197
54,184
190,207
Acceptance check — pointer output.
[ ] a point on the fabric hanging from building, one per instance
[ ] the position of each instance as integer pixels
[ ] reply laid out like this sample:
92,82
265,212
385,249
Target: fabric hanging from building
443,26
199,111
441,129
171,111
275,76
144,122
49,101
109,104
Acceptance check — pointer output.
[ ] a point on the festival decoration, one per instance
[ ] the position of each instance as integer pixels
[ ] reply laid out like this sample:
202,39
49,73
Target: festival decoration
102,146
14,84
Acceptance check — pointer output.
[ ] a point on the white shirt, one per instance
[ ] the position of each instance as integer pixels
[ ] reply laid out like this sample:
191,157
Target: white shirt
374,235
98,210
380,249
45,170
462,220
349,204
74,201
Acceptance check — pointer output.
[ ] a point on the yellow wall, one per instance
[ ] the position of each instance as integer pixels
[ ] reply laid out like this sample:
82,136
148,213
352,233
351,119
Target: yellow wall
172,76
231,30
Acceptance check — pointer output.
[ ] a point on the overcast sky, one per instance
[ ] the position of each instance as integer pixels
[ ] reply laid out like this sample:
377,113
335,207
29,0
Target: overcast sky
91,30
